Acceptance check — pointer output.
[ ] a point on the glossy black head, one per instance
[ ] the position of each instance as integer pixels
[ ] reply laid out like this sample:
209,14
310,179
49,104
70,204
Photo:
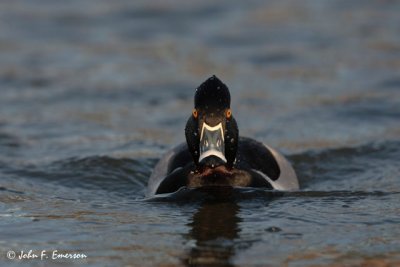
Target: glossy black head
211,131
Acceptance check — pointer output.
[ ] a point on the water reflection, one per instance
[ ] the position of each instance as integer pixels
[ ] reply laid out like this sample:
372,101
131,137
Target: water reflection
214,227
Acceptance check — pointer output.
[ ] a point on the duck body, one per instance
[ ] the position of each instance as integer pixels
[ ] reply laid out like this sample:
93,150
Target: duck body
257,165
215,155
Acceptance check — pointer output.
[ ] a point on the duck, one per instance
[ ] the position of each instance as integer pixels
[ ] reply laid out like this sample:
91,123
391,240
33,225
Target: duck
214,153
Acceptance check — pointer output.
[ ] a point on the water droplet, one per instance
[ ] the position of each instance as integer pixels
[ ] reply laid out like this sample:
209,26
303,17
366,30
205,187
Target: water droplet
273,229
232,140
195,133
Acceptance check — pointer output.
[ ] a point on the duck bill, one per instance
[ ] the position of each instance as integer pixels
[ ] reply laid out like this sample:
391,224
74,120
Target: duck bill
212,142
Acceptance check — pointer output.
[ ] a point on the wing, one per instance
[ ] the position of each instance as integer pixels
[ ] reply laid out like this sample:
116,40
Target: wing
267,163
168,174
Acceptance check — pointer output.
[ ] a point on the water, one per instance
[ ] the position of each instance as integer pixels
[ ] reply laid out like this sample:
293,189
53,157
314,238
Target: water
92,93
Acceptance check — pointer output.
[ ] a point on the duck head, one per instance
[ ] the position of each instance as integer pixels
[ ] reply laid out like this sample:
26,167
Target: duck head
211,131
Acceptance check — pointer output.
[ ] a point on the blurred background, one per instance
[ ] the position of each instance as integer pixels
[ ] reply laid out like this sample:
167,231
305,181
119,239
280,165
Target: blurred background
120,76
93,92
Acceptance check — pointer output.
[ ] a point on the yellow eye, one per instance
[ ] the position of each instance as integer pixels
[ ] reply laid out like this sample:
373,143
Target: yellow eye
195,114
228,113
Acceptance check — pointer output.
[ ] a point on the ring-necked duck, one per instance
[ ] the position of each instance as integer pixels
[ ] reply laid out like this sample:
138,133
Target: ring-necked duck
214,154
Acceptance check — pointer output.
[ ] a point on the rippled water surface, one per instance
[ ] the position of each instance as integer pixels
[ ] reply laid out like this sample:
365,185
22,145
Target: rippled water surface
93,92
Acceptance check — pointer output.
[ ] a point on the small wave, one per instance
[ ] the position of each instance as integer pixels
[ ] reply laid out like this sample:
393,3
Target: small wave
4,189
222,193
367,167
8,140
120,176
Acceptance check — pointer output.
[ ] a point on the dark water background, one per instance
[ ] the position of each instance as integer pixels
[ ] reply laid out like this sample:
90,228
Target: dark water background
93,92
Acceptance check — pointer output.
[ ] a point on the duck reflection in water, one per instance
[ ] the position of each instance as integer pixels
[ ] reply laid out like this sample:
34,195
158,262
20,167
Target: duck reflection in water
214,227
